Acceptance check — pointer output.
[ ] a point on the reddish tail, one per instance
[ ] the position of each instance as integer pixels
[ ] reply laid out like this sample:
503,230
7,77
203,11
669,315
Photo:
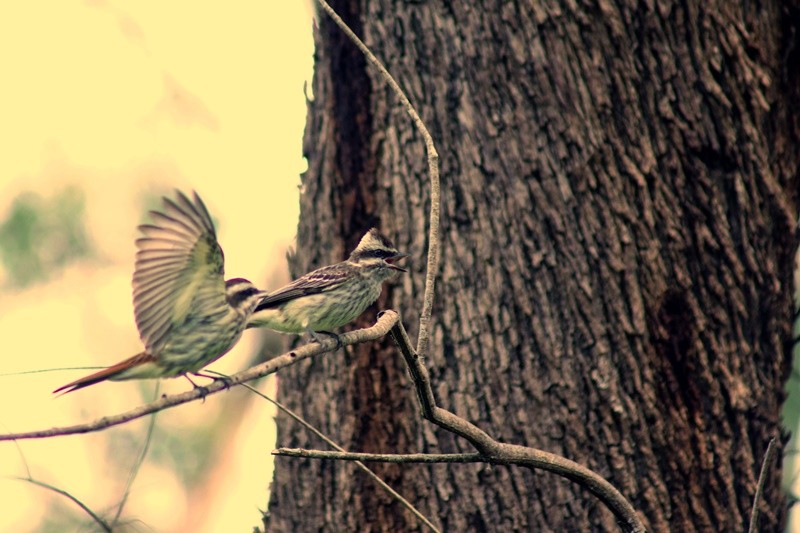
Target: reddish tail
106,373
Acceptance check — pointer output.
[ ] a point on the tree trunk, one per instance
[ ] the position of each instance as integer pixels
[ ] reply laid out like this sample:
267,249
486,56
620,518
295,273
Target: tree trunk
619,191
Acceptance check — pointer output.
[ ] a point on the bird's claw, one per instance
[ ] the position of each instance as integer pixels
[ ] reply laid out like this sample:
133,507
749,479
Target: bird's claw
330,334
203,392
204,389
226,380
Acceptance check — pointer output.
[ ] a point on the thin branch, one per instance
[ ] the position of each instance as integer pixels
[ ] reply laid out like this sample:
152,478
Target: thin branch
384,323
382,457
762,480
300,420
139,461
45,370
102,523
21,455
510,454
433,171
29,478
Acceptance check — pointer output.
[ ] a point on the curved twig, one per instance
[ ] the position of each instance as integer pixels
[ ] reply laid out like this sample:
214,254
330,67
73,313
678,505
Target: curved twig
433,171
393,493
100,522
502,453
489,450
378,330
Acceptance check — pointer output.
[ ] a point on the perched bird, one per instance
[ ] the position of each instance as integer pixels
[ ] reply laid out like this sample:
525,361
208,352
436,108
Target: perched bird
331,296
186,313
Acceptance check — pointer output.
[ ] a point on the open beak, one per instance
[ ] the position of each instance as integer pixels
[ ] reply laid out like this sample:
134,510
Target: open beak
391,260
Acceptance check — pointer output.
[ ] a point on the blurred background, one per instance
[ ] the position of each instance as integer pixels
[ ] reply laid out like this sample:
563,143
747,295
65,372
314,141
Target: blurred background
104,107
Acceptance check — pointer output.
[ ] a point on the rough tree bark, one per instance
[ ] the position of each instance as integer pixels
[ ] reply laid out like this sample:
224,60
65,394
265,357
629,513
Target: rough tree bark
619,192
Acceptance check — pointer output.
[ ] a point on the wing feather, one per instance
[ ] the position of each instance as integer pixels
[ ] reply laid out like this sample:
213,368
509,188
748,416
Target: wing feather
146,254
173,245
156,263
156,277
157,320
166,233
176,224
152,266
320,280
178,257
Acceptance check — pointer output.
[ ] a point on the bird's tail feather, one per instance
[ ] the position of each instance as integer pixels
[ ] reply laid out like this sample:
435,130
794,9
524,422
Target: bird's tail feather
107,373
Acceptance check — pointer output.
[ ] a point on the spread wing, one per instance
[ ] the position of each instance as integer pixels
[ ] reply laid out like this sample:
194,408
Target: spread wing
321,280
178,257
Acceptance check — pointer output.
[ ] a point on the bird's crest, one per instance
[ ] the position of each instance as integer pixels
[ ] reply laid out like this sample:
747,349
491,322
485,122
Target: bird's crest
373,244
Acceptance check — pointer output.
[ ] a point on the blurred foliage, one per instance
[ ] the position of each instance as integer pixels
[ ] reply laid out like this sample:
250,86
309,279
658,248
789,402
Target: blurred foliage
186,452
791,407
63,515
40,236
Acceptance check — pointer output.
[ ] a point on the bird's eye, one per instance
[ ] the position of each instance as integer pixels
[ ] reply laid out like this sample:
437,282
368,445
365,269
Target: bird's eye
378,254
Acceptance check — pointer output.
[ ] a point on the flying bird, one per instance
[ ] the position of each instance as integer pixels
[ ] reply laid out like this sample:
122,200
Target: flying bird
187,314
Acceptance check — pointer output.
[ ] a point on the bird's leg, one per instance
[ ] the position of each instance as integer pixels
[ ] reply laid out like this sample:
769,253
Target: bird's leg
329,333
314,335
224,379
203,390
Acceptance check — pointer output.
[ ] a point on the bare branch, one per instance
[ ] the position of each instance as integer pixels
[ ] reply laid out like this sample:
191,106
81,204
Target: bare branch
138,464
510,454
300,420
100,522
433,171
386,320
762,479
383,457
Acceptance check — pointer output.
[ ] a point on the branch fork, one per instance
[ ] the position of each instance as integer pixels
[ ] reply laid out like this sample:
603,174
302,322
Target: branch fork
489,450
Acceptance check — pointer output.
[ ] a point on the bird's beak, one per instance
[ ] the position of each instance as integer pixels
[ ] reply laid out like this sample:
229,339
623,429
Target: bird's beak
397,256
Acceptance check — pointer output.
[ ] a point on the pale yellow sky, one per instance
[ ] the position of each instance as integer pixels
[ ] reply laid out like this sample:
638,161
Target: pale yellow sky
123,100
